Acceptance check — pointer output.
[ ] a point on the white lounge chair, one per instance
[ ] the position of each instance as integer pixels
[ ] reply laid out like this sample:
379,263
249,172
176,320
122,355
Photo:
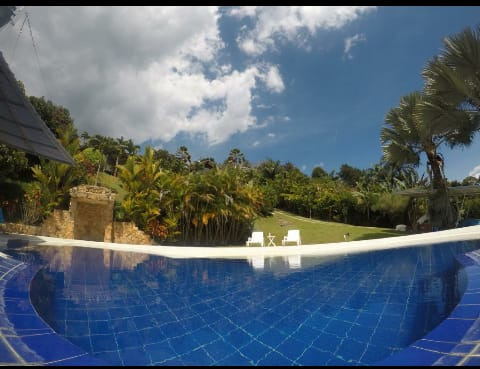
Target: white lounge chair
257,237
293,235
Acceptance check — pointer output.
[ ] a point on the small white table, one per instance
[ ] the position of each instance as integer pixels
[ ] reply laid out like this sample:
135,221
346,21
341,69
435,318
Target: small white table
271,237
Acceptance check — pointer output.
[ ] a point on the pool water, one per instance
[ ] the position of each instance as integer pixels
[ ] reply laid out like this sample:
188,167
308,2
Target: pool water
139,309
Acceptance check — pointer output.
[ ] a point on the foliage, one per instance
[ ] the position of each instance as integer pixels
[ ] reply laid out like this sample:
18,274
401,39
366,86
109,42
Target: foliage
12,163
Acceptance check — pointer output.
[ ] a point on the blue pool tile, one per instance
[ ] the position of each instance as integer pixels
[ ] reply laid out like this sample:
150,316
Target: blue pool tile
272,337
119,312
368,319
128,339
219,349
123,325
255,350
151,335
111,357
448,360
138,310
361,333
83,360
211,316
444,347
205,335
197,357
164,317
191,324
103,342
27,322
81,341
160,352
256,327
52,347
291,348
174,329
471,298
473,360
236,359
223,326
7,356
75,314
274,359
351,349
183,344
134,356
98,314
314,357
100,327
327,342
238,338
145,321
411,356
307,334
338,328
374,353
77,328
450,330
466,312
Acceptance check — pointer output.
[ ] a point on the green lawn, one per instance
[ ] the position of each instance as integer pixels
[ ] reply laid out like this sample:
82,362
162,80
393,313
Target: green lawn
316,231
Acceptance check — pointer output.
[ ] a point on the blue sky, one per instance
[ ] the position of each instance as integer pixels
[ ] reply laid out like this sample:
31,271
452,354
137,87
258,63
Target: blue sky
307,85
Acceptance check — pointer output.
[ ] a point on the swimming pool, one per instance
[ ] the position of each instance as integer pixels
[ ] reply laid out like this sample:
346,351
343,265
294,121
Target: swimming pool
138,309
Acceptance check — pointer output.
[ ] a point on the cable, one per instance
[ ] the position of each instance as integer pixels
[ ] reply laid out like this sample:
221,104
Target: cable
18,37
36,54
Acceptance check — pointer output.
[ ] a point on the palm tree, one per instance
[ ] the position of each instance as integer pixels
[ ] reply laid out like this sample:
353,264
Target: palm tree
407,134
453,79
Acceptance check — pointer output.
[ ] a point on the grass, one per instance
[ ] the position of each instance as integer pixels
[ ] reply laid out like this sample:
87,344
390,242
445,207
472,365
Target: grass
316,231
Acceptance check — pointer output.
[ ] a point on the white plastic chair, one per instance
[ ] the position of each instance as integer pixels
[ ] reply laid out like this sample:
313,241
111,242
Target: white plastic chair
257,237
293,235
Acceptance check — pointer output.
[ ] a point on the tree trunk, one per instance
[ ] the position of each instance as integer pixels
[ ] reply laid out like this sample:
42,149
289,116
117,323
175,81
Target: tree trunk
441,212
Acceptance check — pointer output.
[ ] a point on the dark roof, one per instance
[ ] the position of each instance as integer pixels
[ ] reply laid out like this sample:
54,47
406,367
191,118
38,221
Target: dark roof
20,125
452,191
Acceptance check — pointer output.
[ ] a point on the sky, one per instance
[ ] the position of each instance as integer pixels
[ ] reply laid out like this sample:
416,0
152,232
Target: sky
310,85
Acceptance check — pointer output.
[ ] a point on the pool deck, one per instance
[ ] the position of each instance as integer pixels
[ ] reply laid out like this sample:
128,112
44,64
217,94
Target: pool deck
25,339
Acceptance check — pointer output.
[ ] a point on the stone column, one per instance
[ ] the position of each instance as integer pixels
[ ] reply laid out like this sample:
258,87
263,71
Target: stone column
92,213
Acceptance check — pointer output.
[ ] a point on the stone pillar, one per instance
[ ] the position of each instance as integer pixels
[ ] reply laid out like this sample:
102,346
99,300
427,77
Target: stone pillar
92,213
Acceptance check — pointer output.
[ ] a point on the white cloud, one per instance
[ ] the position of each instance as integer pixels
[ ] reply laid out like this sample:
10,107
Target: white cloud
350,42
291,23
274,80
256,143
271,135
140,72
475,172
243,11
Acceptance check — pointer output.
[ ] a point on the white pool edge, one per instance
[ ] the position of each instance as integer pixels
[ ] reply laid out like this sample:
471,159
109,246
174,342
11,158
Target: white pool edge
452,235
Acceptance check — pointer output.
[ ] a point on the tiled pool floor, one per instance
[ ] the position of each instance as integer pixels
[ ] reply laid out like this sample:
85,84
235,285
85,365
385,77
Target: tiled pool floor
26,339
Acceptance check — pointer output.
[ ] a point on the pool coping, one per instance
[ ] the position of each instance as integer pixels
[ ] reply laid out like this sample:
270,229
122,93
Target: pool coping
335,248
455,341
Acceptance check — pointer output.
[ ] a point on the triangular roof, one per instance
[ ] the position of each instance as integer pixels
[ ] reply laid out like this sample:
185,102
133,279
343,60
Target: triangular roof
452,191
20,125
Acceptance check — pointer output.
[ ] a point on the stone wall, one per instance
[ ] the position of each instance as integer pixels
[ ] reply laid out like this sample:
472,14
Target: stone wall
58,224
127,232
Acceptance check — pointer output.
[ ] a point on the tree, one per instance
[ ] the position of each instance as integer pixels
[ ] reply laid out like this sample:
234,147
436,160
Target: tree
350,175
236,158
184,158
319,172
406,135
452,81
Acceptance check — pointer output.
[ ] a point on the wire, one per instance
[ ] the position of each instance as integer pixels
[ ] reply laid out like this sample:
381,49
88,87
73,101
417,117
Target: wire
36,53
18,37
